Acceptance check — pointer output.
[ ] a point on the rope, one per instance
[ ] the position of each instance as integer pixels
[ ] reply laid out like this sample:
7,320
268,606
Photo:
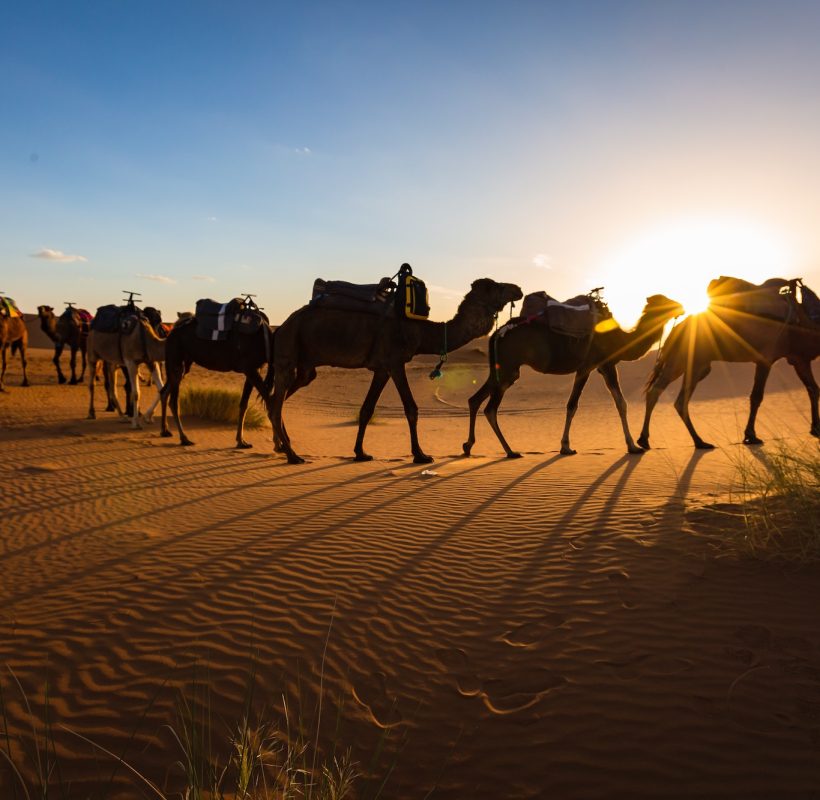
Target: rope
436,372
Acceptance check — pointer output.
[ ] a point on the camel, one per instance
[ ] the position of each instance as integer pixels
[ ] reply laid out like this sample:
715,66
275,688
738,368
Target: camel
14,335
243,353
140,345
70,328
724,333
315,336
549,352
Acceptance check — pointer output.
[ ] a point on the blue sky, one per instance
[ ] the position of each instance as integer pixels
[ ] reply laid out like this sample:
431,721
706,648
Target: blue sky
191,149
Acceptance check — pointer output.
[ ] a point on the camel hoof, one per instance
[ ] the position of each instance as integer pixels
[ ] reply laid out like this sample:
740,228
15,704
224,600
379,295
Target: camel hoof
815,432
73,382
701,445
467,448
422,458
243,445
91,414
294,459
165,434
25,383
635,451
643,443
61,380
752,439
363,457
513,454
186,442
568,451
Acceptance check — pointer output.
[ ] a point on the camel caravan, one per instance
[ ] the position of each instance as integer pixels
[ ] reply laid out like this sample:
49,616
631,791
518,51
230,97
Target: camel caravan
382,326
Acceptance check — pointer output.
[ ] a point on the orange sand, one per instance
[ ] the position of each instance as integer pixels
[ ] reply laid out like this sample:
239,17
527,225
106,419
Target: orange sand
546,627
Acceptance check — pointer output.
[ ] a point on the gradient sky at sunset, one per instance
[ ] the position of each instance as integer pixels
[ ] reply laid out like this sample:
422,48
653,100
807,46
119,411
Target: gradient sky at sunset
190,149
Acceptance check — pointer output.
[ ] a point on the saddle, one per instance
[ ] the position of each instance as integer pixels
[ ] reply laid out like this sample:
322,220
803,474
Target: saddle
371,298
118,319
576,317
78,317
216,321
772,299
8,308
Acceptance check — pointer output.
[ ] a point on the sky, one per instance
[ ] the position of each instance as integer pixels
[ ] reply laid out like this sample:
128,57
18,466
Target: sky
208,149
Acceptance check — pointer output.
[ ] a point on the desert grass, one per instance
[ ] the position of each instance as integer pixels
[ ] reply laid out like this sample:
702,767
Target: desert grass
254,758
778,495
218,405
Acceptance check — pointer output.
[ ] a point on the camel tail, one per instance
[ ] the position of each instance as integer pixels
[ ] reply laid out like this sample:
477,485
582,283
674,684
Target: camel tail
654,376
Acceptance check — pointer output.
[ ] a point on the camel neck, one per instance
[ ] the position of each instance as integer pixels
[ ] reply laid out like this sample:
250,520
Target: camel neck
647,332
49,326
470,322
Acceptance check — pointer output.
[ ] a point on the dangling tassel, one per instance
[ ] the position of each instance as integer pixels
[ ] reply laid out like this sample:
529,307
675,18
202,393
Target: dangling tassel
436,372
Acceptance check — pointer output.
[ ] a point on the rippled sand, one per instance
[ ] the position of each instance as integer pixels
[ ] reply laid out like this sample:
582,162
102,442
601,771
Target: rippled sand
546,627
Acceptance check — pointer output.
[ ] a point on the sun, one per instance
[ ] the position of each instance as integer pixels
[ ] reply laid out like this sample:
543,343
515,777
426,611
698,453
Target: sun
679,259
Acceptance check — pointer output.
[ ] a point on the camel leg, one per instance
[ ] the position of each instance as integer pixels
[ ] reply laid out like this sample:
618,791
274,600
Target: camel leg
82,356
4,348
156,376
73,363
114,397
133,373
24,362
303,378
475,403
653,394
610,375
580,382
411,413
690,381
491,413
243,408
283,381
755,399
58,352
380,378
91,381
802,367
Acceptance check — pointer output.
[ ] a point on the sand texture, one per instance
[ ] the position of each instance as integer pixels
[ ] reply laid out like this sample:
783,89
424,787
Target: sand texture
544,627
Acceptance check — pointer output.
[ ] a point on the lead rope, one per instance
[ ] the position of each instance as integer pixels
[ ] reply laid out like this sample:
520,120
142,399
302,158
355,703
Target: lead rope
436,372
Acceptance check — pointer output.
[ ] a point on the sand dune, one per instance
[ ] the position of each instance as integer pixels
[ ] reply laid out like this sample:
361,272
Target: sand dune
547,627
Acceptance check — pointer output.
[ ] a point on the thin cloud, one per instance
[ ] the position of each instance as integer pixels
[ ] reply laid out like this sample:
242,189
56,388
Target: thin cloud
56,255
542,261
443,290
302,151
157,278
211,219
206,278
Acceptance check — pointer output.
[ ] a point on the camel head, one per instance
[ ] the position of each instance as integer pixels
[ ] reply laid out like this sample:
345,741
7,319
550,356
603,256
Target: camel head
659,306
45,312
492,295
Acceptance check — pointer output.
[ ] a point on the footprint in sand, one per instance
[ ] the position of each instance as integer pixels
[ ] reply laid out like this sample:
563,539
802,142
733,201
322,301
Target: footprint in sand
516,693
627,593
374,697
531,633
456,663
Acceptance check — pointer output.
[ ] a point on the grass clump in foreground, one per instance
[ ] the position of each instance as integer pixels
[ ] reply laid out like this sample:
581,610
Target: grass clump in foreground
218,405
252,759
779,497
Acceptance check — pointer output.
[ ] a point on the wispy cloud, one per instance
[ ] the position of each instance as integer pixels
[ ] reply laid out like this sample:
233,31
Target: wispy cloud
157,278
542,261
302,151
443,290
56,255
211,219
206,278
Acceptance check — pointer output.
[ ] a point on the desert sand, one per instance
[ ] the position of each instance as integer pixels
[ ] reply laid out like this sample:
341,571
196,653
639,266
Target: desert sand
544,627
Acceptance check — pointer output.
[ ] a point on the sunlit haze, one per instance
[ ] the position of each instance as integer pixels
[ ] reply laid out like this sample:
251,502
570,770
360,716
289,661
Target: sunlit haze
200,149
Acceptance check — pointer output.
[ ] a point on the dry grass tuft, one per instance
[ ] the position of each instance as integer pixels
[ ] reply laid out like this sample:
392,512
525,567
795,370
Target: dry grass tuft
218,405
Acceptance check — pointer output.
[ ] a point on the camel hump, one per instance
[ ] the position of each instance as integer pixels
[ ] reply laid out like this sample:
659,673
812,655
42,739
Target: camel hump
761,300
370,298
576,317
